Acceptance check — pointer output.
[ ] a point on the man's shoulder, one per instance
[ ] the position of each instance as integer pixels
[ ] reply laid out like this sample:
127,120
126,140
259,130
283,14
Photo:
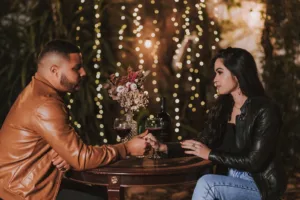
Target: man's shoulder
37,95
51,106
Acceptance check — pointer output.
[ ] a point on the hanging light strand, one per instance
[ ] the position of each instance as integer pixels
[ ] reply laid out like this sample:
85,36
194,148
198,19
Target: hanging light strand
138,33
97,61
186,28
77,38
154,34
178,64
121,34
195,75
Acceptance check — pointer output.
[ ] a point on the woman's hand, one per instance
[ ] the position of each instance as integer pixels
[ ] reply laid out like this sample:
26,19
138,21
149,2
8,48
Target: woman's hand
196,148
155,144
59,162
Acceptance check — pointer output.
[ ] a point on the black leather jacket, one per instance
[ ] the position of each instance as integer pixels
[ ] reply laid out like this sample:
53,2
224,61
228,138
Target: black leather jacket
257,127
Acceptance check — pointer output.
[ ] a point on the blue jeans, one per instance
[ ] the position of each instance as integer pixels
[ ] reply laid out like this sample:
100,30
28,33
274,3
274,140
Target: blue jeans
218,187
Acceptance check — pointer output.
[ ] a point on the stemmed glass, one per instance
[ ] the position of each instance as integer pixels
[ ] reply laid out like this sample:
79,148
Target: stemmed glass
154,126
122,127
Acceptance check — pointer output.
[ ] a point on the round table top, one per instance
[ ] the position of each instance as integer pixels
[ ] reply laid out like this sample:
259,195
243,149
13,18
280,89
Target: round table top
144,171
136,166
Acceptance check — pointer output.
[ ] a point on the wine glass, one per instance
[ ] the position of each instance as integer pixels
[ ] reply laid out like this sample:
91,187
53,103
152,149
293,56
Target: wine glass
122,127
154,126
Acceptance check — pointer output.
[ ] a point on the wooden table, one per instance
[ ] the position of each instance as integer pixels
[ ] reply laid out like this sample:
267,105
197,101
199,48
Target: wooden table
143,171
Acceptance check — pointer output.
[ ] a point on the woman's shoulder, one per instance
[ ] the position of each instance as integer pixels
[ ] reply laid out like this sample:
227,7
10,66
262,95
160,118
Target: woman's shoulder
263,103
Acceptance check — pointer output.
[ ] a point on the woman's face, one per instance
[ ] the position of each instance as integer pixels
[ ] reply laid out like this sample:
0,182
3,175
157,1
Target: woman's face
224,80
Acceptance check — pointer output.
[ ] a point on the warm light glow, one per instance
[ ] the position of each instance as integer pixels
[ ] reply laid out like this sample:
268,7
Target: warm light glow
148,43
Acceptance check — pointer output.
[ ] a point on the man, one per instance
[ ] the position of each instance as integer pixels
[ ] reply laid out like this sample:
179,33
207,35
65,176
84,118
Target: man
36,139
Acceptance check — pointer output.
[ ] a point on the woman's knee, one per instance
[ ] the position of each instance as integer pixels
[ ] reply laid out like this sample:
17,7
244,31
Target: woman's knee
206,180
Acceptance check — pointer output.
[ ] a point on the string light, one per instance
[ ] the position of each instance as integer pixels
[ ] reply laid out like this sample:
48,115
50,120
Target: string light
192,52
149,41
97,61
186,27
77,38
195,72
179,65
138,33
154,51
121,37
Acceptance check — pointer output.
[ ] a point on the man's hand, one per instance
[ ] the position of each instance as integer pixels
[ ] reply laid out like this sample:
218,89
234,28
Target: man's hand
59,162
137,146
155,144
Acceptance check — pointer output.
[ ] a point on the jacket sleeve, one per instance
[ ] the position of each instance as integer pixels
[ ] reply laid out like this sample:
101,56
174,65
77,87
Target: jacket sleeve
175,149
265,133
52,124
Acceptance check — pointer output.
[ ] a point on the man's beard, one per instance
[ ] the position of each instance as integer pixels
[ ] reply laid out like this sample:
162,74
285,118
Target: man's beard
71,87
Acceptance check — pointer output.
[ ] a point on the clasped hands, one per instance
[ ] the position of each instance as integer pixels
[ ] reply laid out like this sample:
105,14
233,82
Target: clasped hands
140,144
191,147
135,147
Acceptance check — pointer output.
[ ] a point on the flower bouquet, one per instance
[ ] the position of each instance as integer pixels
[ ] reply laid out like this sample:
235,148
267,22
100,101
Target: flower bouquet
129,91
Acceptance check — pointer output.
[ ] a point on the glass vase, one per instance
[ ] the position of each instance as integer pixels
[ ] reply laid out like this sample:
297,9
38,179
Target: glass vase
133,125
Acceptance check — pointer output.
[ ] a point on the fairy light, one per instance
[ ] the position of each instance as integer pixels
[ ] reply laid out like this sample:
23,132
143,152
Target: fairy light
178,65
199,7
78,27
216,34
186,27
154,51
137,31
97,61
121,35
77,38
193,78
191,34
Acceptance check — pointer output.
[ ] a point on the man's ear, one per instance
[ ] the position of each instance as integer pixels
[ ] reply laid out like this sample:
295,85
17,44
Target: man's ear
54,70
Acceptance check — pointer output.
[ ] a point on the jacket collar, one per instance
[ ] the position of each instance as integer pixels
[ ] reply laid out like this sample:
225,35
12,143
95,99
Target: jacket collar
50,89
243,114
244,106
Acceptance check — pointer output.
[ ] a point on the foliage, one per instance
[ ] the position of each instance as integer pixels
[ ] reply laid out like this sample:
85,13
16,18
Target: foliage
281,42
25,27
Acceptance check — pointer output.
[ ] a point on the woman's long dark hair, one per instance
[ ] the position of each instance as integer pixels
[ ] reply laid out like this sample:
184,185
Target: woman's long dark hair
242,65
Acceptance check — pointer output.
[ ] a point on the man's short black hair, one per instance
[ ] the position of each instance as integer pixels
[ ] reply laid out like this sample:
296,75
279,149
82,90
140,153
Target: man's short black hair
61,47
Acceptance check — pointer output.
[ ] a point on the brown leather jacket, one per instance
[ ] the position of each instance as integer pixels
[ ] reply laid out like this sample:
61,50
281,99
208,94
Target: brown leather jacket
37,125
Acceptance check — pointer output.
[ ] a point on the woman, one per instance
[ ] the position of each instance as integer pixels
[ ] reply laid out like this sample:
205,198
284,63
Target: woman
241,133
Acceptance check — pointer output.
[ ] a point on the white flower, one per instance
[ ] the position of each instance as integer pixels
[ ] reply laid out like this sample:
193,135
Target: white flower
120,89
133,86
128,84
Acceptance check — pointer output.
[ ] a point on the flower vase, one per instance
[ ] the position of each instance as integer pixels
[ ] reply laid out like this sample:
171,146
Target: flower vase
133,125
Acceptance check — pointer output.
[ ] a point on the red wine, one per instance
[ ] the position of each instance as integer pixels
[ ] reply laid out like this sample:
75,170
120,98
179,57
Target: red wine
155,131
123,132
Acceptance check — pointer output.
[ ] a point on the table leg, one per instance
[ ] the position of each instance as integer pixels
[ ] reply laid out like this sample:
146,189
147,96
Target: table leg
114,190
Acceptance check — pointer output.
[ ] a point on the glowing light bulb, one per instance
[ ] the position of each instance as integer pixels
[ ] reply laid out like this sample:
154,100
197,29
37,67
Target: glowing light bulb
148,43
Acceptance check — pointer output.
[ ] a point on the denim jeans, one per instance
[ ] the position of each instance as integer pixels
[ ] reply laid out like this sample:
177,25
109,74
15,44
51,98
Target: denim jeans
219,187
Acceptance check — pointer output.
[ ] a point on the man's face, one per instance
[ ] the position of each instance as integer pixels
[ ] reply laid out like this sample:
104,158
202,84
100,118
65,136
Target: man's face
72,73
